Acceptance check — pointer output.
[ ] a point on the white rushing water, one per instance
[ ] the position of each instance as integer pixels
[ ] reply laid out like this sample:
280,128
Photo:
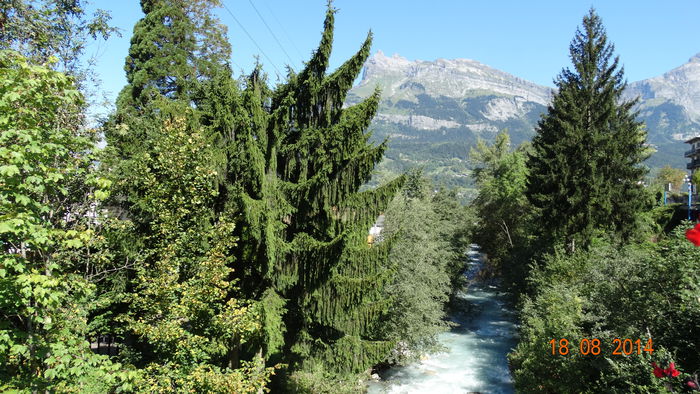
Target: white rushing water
475,360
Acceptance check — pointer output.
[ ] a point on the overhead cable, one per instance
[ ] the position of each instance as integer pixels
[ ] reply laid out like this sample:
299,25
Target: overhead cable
291,62
284,31
279,73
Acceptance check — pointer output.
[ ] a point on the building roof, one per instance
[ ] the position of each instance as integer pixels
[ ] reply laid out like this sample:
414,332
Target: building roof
693,140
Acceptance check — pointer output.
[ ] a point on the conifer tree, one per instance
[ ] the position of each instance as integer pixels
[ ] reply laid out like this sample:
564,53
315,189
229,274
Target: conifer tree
176,45
178,48
178,52
299,159
181,314
585,169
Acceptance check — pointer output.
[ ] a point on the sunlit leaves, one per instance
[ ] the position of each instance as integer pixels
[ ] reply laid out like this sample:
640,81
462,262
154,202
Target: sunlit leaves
638,291
183,306
43,154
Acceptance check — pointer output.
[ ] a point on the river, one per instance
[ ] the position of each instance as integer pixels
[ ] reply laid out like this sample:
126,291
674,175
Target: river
476,349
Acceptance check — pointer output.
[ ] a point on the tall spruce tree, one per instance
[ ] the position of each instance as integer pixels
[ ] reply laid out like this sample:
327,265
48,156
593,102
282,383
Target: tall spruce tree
585,166
297,161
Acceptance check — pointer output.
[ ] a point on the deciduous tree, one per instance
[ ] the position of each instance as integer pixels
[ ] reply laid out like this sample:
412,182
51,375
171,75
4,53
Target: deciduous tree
503,213
674,176
49,191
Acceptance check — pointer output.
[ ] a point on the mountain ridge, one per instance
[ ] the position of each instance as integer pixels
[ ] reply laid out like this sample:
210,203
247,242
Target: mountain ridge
474,76
679,86
433,111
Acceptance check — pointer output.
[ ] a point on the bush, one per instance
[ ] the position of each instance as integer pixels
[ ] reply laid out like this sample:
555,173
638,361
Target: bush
636,292
318,381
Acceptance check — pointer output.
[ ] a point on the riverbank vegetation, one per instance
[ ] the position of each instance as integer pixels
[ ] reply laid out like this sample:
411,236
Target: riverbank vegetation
430,234
220,238
609,294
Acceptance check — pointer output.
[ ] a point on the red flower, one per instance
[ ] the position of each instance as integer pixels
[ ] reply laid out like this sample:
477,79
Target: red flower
693,235
691,384
671,371
658,372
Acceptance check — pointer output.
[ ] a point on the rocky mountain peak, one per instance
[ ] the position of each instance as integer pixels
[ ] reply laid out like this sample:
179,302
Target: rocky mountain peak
454,78
680,86
379,59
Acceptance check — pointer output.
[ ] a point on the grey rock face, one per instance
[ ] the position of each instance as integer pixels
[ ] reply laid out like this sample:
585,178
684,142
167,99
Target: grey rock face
450,78
466,93
671,102
418,121
680,86
433,111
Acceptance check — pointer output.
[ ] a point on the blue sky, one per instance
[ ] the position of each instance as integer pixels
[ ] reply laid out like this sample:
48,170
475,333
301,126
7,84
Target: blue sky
529,39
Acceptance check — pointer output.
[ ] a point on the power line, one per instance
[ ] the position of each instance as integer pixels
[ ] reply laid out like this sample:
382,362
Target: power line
279,73
291,62
283,30
239,67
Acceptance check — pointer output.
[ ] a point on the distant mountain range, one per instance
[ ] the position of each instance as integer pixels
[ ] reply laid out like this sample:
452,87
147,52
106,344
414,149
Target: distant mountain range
432,111
670,103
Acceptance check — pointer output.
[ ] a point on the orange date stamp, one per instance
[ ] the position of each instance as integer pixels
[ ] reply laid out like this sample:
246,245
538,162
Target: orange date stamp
595,347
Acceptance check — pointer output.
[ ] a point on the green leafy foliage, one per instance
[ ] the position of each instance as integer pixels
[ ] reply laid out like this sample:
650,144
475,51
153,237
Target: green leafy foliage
182,312
46,160
181,316
318,380
250,378
669,175
58,29
503,227
581,178
584,179
641,291
428,258
181,305
695,178
223,229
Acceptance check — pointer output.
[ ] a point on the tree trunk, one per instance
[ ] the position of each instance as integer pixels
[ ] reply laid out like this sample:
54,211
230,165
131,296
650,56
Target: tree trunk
259,355
234,351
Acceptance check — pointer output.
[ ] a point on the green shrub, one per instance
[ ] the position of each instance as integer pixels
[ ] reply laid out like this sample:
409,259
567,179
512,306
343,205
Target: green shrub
635,292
